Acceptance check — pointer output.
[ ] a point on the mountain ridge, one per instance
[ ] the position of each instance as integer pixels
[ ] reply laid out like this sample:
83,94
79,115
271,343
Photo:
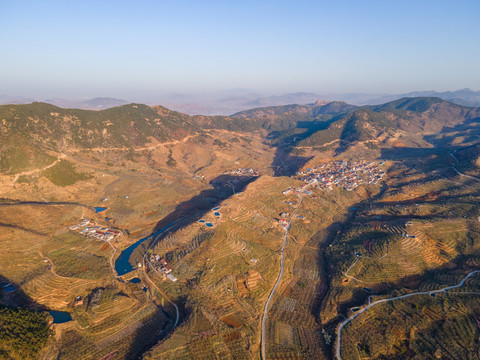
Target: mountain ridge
34,129
402,122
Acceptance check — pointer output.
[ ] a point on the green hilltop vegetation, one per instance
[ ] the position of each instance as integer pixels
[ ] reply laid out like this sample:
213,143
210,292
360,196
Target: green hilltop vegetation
28,132
130,125
363,125
420,104
281,118
56,128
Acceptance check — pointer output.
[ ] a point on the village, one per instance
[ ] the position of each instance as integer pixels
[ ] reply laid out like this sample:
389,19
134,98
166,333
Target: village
242,172
345,174
161,266
91,229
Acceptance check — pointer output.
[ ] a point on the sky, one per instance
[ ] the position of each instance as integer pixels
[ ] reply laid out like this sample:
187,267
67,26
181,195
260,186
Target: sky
141,49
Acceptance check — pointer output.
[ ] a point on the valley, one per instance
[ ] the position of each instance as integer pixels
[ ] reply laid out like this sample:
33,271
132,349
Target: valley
288,232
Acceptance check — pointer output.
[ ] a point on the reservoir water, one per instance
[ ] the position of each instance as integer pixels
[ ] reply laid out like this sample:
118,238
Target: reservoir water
122,264
99,209
60,317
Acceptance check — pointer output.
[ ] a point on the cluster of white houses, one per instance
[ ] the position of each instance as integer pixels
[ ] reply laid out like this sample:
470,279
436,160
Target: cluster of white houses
89,228
346,174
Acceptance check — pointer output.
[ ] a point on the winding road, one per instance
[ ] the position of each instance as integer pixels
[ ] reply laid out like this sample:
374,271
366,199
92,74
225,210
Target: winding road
279,279
461,174
151,147
457,171
342,324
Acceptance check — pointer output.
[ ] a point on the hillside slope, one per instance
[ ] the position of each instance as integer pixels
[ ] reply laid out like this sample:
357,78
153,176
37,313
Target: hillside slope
279,118
28,133
408,122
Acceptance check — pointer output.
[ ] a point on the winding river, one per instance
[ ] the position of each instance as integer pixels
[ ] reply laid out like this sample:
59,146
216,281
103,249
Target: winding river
122,264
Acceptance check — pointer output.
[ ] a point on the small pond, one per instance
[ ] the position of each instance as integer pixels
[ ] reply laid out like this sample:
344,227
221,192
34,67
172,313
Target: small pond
60,317
9,288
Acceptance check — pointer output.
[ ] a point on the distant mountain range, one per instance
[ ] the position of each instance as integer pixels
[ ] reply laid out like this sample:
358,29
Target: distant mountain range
237,100
240,100
465,97
233,101
91,104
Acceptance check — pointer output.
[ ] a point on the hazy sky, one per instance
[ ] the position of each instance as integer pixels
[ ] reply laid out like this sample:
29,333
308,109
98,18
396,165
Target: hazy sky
134,49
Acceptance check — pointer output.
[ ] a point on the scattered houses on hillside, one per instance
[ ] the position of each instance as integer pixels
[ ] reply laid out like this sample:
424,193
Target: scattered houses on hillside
242,172
161,266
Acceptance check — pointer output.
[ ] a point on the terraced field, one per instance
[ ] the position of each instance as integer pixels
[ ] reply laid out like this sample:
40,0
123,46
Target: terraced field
54,291
229,276
445,326
20,260
51,266
418,237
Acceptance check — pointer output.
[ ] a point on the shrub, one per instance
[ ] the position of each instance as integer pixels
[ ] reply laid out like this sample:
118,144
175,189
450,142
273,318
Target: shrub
64,174
171,161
